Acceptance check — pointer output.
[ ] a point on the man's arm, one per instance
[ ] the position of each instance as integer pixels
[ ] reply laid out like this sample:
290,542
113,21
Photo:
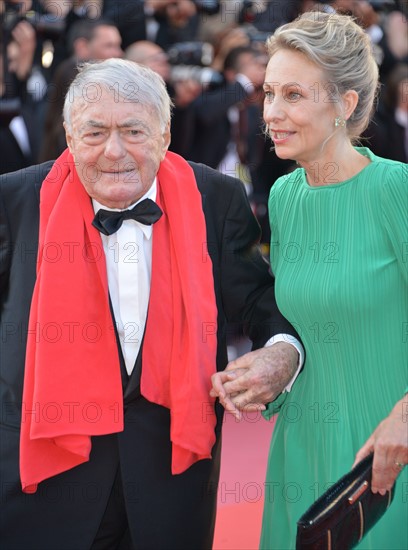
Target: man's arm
248,299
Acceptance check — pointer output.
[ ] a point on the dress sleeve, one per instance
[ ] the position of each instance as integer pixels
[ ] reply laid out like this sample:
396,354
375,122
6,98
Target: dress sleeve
394,203
275,406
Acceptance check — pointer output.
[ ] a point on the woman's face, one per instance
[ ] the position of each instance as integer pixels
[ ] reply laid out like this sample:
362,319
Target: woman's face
300,108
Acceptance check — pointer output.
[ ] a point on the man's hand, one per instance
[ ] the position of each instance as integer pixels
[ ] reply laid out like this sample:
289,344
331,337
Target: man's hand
20,50
256,378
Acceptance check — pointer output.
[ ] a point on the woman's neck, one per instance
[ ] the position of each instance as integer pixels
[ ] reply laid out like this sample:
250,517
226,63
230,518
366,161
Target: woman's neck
339,166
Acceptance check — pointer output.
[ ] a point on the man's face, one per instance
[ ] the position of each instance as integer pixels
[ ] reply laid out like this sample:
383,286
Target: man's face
253,66
105,43
117,147
158,61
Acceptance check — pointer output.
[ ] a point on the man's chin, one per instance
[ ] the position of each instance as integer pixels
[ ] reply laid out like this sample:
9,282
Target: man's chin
119,198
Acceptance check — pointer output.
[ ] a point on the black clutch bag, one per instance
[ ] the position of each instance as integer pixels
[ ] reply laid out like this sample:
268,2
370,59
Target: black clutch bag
341,517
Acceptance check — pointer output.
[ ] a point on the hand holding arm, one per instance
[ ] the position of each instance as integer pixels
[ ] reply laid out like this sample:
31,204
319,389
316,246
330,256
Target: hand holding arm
256,378
389,442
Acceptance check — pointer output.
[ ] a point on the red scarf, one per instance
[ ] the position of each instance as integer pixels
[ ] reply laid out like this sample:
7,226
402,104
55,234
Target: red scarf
72,383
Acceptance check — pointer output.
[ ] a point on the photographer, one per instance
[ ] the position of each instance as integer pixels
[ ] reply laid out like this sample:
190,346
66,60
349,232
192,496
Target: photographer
164,22
27,27
182,91
18,43
217,137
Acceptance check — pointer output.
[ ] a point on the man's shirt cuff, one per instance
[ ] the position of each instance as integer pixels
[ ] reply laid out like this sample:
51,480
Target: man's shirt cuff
288,339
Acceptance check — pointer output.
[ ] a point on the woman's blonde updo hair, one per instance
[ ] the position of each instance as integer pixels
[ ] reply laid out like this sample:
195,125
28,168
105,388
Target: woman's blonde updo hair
342,49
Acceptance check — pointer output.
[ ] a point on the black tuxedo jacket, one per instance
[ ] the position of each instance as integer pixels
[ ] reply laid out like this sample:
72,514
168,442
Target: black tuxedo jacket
164,511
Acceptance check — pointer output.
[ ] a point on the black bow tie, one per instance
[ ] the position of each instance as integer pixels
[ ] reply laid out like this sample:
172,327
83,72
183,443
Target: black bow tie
108,222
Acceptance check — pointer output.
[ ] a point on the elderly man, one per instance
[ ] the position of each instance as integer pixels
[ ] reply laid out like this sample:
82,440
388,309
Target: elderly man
109,342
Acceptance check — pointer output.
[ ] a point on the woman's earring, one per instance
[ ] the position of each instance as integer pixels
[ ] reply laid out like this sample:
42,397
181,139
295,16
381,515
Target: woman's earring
339,122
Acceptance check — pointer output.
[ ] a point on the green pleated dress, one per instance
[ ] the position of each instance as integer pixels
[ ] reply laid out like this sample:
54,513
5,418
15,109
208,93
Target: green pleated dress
340,256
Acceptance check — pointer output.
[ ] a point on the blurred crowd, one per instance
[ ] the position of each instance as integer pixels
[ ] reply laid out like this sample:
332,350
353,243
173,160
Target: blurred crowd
210,54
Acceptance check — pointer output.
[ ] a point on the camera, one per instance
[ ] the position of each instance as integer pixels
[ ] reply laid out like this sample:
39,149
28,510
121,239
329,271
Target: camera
47,25
191,60
204,75
191,53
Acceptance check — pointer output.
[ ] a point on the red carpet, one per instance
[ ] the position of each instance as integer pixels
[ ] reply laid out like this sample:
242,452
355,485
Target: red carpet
241,490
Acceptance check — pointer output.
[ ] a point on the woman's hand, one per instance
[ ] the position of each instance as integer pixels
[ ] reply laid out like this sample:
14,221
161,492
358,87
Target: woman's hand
389,442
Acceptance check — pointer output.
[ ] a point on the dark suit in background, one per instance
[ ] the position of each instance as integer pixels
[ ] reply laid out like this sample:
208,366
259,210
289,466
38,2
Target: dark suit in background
212,128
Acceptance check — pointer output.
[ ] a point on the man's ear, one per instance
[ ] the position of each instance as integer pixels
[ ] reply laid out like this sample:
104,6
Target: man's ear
68,137
166,139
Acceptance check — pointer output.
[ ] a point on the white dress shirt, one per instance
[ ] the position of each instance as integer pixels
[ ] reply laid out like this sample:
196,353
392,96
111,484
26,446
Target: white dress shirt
129,265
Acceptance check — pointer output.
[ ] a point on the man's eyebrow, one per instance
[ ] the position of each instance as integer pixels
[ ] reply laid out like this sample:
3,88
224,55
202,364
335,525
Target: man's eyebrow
130,123
92,124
